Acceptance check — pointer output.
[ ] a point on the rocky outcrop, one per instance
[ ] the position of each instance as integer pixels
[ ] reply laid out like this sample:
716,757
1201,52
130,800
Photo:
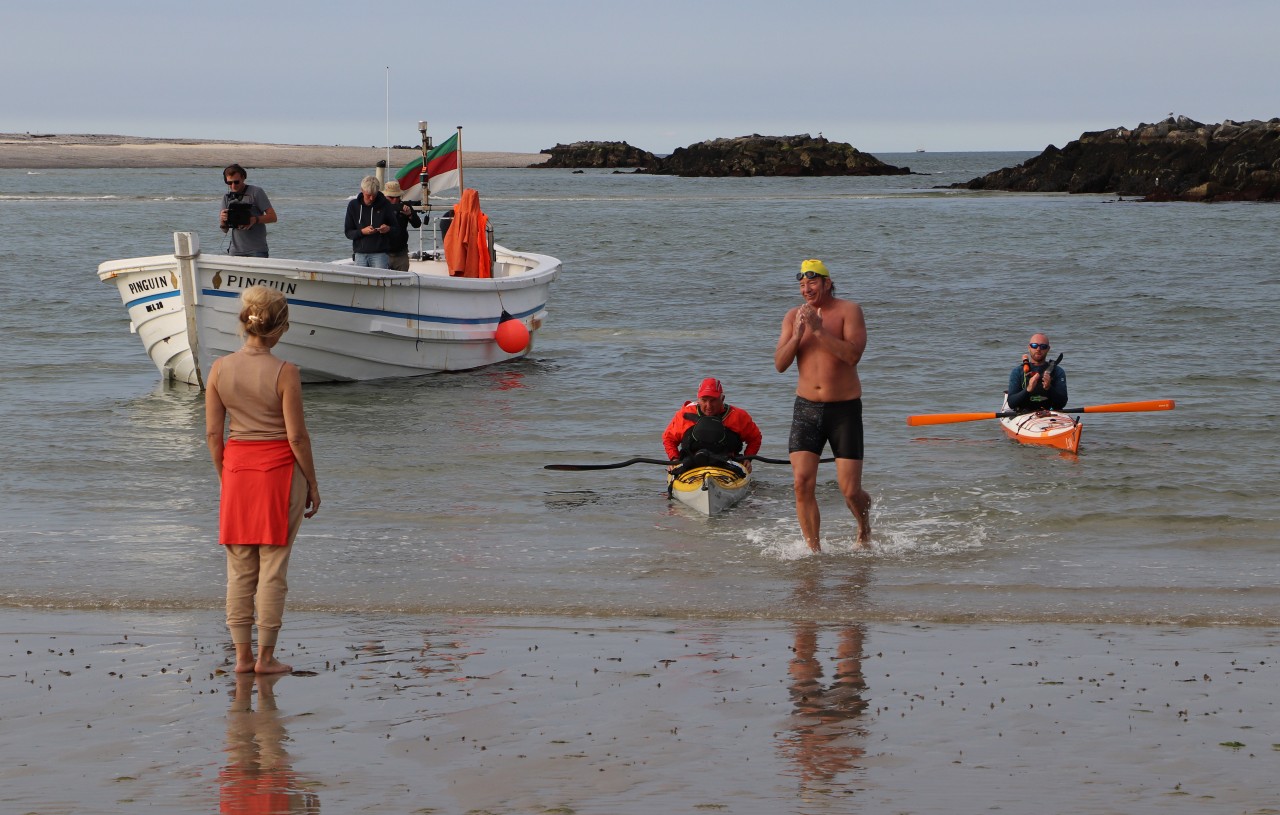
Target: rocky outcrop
1178,159
758,155
607,154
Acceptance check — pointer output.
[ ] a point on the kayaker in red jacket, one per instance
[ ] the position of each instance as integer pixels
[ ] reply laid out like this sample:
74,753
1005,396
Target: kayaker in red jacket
709,424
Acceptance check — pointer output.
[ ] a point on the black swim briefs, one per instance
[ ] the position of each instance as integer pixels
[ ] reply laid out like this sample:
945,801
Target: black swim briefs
813,424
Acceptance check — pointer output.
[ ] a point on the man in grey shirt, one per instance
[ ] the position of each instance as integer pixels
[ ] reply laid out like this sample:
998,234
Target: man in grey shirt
246,211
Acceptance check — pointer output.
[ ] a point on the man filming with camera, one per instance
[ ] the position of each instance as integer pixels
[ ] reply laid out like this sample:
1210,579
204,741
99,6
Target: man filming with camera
246,211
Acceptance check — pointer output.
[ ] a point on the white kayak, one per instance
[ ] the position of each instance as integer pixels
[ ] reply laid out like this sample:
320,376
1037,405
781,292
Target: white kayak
710,489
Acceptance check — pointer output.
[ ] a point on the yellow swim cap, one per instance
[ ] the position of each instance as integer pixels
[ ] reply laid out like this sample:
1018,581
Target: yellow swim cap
816,266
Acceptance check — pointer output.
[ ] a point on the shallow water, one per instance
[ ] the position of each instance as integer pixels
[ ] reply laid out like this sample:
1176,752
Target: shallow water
435,499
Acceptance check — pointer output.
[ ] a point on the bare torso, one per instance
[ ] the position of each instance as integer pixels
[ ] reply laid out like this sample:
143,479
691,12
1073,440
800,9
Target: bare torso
832,337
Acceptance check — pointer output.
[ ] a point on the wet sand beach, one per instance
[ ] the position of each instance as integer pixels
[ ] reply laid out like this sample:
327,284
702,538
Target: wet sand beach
85,151
111,711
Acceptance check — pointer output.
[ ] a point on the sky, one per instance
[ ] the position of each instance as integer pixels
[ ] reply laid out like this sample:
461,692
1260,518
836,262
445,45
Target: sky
891,76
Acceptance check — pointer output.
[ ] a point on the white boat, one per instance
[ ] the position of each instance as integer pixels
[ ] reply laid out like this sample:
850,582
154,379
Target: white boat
710,489
346,322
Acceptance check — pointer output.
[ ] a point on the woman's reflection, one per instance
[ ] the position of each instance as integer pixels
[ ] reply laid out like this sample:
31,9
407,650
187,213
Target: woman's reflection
258,778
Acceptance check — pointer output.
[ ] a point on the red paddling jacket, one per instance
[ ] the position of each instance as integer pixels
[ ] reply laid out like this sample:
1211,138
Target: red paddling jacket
691,430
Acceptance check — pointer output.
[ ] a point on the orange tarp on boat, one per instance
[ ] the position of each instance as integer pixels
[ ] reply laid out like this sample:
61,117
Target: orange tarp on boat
466,246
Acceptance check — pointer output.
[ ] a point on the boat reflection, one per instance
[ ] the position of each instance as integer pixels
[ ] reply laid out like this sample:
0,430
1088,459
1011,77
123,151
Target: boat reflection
258,776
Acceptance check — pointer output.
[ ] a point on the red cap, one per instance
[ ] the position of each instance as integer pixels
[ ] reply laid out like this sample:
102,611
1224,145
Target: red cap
710,387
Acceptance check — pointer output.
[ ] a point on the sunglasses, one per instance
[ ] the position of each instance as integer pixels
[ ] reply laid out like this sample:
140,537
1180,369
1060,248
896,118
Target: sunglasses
231,182
808,275
1035,346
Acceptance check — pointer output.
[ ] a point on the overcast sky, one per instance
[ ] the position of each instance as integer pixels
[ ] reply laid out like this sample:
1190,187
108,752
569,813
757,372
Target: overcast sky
524,75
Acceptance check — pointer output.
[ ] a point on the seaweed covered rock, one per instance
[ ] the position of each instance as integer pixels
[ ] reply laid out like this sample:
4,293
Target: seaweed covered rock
1178,159
603,154
758,155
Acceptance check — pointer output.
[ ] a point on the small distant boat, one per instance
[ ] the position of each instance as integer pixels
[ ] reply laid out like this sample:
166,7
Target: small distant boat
710,489
1047,428
919,149
348,322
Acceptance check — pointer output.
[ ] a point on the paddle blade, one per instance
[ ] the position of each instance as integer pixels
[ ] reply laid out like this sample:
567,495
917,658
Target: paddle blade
948,418
1130,407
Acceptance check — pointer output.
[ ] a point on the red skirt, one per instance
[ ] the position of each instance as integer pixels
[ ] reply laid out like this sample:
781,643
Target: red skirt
256,479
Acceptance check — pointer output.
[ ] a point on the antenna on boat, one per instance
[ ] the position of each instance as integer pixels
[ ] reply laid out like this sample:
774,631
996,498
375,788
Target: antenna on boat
388,116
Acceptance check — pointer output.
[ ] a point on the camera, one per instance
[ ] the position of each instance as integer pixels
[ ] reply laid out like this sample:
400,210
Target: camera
239,212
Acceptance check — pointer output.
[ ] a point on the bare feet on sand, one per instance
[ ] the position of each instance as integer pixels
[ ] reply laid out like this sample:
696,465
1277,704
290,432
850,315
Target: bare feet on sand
272,666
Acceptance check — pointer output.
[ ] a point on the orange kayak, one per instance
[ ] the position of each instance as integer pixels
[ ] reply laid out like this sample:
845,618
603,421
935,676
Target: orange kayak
1047,428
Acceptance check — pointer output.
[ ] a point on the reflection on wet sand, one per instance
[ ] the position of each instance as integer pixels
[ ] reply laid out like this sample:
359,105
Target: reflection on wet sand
258,777
825,739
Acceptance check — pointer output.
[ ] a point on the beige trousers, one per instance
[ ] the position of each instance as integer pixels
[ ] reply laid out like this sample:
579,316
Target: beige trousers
257,577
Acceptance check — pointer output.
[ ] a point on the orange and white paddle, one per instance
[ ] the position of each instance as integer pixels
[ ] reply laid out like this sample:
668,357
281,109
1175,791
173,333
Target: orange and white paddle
1118,407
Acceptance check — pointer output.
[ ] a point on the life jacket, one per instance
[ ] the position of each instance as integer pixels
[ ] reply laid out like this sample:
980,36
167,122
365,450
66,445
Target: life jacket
709,433
1028,369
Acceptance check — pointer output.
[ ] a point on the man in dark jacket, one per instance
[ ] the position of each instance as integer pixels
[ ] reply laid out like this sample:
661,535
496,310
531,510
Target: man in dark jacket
1035,383
370,219
406,217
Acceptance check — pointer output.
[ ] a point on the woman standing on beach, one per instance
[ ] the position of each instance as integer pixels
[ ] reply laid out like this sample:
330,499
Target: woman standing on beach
267,474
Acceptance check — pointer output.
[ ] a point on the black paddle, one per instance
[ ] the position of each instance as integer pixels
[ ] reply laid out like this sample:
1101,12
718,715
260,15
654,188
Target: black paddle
626,463
631,461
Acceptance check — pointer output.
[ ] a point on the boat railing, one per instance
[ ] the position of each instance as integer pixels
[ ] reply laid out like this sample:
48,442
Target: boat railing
437,229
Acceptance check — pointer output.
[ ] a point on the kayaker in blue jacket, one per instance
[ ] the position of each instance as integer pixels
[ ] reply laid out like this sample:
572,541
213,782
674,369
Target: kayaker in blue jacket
1036,383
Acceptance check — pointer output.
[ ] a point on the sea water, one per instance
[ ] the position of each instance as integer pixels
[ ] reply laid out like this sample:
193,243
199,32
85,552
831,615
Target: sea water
435,499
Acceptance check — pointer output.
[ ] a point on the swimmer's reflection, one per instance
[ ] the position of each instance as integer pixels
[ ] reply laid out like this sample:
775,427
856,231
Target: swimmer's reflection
825,738
258,777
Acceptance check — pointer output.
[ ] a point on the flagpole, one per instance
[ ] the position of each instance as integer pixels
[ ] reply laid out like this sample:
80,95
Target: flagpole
462,187
424,178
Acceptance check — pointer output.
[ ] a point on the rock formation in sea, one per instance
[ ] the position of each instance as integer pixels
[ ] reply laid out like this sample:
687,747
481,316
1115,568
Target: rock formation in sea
758,155
1178,159
606,154
753,155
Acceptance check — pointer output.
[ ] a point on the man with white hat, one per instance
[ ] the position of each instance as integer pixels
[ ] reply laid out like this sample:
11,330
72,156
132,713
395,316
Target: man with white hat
406,216
825,337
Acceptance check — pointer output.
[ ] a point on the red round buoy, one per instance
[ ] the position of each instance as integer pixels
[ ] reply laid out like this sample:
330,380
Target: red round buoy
512,336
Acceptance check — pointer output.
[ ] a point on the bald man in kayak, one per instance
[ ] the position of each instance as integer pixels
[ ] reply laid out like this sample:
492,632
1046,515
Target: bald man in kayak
825,337
1036,383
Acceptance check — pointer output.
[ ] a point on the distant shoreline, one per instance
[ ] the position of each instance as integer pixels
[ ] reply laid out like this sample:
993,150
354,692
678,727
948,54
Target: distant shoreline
62,151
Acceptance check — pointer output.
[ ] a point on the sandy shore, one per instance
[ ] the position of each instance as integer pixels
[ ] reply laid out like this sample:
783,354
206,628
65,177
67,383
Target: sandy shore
71,151
119,712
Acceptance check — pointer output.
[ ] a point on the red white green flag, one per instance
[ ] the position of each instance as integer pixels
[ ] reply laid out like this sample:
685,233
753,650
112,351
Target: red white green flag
442,171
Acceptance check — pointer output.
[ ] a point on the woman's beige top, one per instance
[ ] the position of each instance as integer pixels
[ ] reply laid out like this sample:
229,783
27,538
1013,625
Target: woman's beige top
246,382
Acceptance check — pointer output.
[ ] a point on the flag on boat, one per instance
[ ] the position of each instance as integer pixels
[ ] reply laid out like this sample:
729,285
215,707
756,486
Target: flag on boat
442,171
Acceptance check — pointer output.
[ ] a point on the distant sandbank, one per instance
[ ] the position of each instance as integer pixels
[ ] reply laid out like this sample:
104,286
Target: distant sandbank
59,151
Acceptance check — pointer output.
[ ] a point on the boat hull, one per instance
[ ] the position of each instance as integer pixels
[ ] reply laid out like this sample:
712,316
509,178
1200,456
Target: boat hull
152,295
1045,428
346,322
710,490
